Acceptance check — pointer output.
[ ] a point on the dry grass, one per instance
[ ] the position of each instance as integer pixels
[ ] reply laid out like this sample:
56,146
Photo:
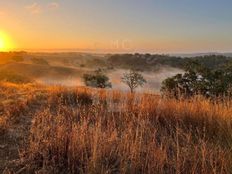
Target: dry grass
96,131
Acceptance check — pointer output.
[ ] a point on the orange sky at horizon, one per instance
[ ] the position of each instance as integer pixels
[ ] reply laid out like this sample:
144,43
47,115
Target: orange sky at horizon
109,27
7,43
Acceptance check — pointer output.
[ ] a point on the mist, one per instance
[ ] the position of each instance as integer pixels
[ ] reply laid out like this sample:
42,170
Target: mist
154,79
70,81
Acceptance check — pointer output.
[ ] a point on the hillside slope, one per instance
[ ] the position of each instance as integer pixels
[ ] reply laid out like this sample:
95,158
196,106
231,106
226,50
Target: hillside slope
82,130
35,70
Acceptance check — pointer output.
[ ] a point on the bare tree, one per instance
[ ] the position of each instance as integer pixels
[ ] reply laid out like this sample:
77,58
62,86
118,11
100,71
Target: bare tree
133,79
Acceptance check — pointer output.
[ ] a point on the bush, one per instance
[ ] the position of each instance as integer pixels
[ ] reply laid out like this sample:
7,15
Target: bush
200,80
97,80
84,99
71,98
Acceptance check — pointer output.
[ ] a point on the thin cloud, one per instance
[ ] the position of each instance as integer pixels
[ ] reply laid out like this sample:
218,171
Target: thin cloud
53,5
34,8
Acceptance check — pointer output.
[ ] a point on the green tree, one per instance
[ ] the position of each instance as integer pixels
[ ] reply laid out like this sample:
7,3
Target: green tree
198,79
97,80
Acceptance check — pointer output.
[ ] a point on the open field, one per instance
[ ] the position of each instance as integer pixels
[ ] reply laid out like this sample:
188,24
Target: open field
81,130
115,87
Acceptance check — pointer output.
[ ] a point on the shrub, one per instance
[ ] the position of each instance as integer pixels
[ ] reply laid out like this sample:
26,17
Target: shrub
200,80
71,98
97,80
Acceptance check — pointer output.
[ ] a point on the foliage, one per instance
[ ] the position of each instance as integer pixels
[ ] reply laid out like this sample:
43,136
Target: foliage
97,79
199,79
133,80
152,62
212,61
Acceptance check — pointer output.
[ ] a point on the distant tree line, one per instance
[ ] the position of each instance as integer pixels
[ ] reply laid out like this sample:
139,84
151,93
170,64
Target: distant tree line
209,81
150,62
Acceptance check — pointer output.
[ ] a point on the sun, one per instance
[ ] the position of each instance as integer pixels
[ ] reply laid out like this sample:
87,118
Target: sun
5,42
1,44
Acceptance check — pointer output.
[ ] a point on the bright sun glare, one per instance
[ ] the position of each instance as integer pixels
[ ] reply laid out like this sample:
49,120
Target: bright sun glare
5,42
1,44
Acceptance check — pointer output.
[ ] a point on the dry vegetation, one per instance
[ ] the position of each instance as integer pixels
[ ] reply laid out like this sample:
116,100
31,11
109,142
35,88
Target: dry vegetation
97,131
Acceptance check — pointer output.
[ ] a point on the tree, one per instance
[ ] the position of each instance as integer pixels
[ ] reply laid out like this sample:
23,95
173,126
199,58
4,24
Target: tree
133,79
97,80
200,80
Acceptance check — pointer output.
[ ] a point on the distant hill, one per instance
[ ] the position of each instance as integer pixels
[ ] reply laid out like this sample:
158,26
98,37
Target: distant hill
227,54
69,59
150,62
190,55
36,71
75,64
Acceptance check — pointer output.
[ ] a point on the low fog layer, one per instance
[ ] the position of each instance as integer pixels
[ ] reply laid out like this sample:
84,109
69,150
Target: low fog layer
154,79
70,81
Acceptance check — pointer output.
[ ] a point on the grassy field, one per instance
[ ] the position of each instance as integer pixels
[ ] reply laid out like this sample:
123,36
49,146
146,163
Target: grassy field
81,130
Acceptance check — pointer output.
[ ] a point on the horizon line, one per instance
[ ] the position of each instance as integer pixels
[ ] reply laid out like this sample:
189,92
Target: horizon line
94,51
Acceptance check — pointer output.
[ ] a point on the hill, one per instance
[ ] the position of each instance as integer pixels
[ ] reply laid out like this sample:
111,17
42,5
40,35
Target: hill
82,130
36,70
143,62
148,62
68,68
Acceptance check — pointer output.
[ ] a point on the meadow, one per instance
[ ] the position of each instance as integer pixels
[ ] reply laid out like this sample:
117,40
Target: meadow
115,87
48,129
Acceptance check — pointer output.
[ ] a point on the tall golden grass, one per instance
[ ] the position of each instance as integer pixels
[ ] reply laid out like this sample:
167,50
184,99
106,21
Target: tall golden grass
96,131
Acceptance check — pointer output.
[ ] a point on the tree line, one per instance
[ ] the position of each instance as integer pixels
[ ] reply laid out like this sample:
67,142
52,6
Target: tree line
198,79
151,62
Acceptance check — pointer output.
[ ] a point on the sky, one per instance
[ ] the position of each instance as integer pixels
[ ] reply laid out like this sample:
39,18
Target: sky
154,26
